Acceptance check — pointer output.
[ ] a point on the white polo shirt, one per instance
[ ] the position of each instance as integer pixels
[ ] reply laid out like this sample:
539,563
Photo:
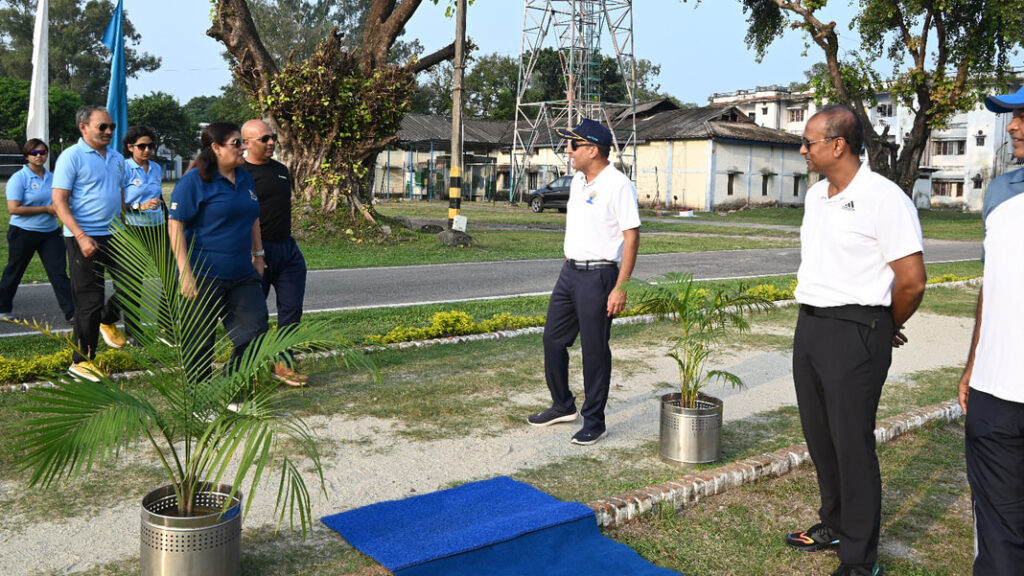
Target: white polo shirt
597,213
847,241
997,358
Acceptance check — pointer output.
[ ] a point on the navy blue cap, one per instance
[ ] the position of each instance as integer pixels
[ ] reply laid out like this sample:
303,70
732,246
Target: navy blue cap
1006,102
588,131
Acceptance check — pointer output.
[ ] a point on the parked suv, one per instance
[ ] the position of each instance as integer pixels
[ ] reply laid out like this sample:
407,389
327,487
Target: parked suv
554,195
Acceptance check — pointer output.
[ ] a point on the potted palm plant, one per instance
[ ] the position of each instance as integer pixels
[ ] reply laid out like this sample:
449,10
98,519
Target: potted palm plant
207,451
691,421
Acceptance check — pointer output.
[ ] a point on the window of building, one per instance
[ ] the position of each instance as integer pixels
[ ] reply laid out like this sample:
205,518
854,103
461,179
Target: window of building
764,111
948,188
949,147
979,140
753,117
796,115
732,179
884,110
764,184
796,186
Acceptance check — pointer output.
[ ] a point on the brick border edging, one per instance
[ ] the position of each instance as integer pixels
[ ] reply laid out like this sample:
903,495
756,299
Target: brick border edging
690,488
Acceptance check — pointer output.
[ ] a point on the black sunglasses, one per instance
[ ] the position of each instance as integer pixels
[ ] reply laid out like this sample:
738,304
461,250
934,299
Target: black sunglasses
236,143
38,152
266,138
807,143
577,144
145,146
103,126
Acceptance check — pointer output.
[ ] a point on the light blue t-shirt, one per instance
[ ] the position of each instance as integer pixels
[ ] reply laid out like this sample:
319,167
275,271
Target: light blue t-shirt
31,190
95,183
141,185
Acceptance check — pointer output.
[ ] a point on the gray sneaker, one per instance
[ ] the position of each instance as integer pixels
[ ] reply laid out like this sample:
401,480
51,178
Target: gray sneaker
552,416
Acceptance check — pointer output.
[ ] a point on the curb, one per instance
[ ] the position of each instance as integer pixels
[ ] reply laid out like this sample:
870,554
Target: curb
690,488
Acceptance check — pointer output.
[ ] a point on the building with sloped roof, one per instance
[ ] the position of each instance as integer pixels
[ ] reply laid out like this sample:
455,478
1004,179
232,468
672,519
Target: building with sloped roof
704,159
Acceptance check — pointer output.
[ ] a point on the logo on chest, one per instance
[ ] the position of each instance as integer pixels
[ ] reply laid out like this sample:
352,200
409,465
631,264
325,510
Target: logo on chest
849,206
591,196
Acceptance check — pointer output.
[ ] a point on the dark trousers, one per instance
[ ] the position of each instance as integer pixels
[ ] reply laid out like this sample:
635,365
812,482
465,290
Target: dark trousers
21,246
158,246
995,469
579,306
286,272
87,275
239,304
839,367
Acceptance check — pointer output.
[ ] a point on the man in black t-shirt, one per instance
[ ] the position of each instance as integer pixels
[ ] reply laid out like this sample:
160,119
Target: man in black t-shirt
286,267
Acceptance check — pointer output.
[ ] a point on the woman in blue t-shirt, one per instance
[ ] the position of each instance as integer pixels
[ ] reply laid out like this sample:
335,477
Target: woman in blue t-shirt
143,212
33,230
213,222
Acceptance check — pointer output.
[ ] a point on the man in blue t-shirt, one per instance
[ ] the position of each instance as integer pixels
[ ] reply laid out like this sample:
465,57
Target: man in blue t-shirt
88,183
991,385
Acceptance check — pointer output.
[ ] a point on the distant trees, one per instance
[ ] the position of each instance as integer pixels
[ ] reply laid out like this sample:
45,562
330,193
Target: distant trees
14,95
161,112
79,62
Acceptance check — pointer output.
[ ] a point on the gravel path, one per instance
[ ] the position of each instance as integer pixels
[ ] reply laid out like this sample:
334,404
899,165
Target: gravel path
372,463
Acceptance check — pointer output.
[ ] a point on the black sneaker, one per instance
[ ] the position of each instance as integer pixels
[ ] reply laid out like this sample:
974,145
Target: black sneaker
847,570
552,416
815,538
586,437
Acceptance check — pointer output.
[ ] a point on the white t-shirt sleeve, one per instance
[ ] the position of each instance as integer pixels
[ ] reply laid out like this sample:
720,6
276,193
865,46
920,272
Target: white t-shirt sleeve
897,226
627,211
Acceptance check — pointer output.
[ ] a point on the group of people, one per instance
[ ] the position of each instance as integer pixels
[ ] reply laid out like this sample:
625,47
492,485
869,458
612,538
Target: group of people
861,278
227,227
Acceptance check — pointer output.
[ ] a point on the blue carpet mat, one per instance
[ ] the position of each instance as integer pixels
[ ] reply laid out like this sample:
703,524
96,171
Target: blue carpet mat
498,527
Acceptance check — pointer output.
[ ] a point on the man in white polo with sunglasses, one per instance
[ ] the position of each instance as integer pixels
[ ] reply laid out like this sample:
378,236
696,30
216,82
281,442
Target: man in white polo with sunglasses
861,278
88,183
286,266
602,233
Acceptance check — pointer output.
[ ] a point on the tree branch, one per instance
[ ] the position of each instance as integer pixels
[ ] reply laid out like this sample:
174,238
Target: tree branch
233,27
429,61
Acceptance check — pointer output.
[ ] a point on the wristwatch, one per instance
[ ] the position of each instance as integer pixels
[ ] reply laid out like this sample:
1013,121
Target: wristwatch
136,205
258,253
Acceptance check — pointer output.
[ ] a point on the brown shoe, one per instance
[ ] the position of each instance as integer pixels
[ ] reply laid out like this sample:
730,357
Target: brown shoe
282,373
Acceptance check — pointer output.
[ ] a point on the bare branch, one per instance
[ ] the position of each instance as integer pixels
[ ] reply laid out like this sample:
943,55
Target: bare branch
429,61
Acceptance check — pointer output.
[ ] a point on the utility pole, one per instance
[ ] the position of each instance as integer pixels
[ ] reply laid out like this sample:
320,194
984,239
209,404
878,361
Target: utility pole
455,182
456,233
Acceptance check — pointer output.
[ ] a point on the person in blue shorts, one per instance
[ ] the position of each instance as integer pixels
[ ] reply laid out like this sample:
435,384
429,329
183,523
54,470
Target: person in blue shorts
87,196
213,222
33,230
143,212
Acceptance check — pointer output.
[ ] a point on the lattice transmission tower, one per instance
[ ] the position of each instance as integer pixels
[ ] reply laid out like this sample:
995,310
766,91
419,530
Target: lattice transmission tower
575,28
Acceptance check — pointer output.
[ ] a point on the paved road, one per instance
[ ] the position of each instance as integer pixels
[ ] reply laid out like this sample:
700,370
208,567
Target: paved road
396,286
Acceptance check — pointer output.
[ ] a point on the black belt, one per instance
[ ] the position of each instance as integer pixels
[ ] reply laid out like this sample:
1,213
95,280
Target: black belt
865,315
592,264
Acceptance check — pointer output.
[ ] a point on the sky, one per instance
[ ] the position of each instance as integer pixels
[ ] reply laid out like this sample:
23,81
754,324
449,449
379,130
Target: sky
700,48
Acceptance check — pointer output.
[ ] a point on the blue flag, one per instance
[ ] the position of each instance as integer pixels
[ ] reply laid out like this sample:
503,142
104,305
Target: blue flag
117,96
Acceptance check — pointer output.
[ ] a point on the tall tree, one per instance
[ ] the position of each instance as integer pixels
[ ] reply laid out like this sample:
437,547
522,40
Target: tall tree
14,96
945,54
335,111
78,60
161,112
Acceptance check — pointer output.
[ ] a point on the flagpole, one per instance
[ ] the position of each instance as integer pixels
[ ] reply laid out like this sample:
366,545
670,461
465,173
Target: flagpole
117,95
38,125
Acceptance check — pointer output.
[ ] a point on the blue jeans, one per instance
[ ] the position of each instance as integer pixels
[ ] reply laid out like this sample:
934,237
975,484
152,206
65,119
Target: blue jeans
286,272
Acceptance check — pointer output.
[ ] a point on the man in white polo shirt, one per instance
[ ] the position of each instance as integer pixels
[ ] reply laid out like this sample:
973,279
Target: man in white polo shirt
602,233
861,277
992,380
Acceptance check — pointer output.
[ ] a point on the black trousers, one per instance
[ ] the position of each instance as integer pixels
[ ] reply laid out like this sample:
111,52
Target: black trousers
286,272
995,470
21,246
158,245
579,306
239,304
87,277
839,367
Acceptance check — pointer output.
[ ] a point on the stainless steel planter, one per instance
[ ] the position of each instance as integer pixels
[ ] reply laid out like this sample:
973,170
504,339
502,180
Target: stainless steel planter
195,545
690,435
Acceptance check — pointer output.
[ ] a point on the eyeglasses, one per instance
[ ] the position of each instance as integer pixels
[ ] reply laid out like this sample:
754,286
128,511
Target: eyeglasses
236,143
265,138
38,152
577,144
145,146
103,126
807,143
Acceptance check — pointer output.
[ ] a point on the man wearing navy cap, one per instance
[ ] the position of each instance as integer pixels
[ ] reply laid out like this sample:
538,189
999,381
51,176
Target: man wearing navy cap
991,380
602,233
